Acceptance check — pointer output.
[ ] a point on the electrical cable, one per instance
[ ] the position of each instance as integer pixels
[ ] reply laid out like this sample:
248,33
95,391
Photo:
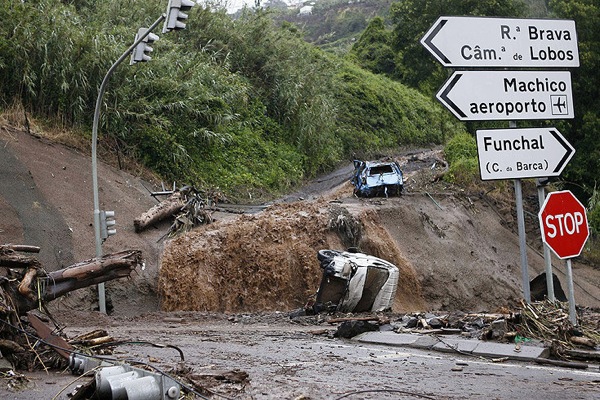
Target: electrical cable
386,391
158,345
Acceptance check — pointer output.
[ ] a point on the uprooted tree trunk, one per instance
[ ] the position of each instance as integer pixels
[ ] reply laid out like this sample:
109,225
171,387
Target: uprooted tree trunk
25,284
187,205
165,209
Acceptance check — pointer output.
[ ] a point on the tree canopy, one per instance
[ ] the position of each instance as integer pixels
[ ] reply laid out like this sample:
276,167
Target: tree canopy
244,104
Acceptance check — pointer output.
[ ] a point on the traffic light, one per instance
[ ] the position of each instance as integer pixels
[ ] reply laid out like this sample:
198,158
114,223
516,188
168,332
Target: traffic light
139,54
107,223
175,17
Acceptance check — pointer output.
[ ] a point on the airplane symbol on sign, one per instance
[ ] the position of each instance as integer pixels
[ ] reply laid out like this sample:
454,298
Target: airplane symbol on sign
559,104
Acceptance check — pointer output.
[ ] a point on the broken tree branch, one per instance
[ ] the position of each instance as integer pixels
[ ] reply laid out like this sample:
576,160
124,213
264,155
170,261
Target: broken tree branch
11,260
165,209
19,247
58,283
91,272
25,285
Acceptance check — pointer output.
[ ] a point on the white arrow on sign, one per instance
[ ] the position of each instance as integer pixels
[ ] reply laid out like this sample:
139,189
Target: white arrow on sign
503,42
508,95
522,153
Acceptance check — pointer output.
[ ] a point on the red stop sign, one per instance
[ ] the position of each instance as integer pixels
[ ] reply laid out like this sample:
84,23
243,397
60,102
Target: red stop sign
563,223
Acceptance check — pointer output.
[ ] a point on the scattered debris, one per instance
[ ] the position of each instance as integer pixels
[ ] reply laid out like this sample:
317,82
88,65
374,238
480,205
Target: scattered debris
105,376
208,382
543,323
25,285
187,205
549,321
349,329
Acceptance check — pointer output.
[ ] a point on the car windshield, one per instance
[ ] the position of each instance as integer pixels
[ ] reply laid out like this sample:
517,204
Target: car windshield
381,169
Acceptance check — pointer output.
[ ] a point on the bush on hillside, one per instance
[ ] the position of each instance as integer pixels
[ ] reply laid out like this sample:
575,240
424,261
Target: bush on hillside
461,154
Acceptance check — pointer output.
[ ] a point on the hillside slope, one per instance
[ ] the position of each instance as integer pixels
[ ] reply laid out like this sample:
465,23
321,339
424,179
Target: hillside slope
455,252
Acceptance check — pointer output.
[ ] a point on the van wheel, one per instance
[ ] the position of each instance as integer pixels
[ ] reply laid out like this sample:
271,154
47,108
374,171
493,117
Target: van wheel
323,255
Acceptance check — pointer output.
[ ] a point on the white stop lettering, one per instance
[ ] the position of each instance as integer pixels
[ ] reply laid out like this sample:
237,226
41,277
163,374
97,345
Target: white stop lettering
563,224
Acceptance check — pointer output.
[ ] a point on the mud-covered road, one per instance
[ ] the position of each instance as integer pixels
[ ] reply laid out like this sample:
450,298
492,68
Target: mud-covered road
299,359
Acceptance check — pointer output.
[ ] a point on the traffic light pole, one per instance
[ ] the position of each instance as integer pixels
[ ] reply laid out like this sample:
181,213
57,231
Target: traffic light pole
101,292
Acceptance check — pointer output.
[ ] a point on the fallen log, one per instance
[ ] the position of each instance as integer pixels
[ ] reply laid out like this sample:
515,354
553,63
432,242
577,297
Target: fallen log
165,209
36,286
583,354
560,363
19,247
9,259
583,341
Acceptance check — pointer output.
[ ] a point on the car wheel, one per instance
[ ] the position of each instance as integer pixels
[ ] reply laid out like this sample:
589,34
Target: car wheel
323,255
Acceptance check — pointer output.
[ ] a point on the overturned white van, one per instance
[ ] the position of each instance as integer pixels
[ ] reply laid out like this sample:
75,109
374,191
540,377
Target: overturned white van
355,282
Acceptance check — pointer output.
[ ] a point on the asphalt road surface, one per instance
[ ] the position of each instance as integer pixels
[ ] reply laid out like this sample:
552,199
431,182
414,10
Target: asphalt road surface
286,360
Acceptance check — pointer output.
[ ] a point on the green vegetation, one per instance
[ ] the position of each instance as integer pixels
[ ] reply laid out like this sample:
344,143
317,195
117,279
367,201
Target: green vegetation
582,174
373,50
461,154
238,104
412,18
335,24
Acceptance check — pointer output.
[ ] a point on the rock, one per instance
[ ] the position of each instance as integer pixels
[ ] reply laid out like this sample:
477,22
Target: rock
349,329
412,323
435,323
